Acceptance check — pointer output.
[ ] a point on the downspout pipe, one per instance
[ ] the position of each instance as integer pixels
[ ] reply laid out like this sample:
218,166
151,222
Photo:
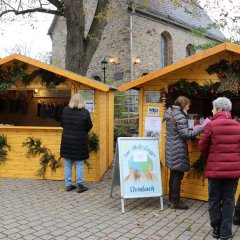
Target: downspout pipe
131,42
131,56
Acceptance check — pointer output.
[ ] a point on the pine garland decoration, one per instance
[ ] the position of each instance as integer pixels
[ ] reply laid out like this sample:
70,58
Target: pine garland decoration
4,148
184,87
48,79
47,158
228,75
198,168
93,146
35,148
190,89
10,75
93,142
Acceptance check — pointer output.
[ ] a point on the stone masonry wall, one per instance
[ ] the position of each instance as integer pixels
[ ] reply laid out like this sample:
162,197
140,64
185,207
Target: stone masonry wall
115,43
146,43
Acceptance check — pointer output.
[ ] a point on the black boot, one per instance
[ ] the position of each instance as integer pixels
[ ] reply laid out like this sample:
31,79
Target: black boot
216,228
70,188
81,188
236,217
169,200
177,204
225,238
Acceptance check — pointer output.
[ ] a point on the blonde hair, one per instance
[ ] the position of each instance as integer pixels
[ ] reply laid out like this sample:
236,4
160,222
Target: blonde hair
182,101
76,101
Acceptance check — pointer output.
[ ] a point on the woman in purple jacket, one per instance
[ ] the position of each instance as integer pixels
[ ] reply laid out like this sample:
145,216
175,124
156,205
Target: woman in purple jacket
220,143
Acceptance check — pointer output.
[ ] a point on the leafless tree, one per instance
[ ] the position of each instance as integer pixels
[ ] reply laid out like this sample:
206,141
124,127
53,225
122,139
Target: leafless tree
79,48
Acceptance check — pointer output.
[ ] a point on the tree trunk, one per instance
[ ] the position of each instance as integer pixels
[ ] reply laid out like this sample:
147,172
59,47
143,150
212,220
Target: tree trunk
80,50
75,21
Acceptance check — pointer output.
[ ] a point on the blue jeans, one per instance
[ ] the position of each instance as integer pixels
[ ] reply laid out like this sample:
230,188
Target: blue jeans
221,203
68,171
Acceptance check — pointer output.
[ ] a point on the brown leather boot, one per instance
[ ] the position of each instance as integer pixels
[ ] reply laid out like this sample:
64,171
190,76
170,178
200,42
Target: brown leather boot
177,204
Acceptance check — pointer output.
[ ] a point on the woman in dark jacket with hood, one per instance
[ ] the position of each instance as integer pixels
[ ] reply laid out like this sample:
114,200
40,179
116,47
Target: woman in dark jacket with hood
177,158
76,123
220,143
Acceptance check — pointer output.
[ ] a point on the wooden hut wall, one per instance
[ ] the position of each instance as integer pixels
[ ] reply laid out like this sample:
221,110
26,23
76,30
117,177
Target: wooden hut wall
193,186
17,164
102,99
110,128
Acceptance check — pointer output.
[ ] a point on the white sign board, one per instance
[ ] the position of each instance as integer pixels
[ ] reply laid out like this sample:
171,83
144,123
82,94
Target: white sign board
153,126
137,160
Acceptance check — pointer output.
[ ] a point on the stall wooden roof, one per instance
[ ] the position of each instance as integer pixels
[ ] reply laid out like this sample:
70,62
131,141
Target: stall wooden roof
67,74
198,62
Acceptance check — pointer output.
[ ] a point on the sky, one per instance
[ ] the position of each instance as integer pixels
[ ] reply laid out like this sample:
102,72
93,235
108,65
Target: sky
35,40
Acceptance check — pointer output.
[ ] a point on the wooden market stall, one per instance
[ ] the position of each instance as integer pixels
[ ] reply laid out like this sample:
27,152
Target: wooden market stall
32,97
195,77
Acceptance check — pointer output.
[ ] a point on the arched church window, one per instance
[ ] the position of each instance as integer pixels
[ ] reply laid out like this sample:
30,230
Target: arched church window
166,49
97,78
190,50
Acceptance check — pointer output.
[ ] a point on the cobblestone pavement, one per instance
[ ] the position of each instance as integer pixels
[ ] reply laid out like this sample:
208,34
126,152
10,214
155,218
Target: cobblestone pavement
41,209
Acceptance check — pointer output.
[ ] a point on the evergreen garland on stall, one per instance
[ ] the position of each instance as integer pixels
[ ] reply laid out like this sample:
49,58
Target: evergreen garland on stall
10,75
93,146
191,89
228,75
47,79
35,148
47,158
228,85
4,148
93,142
198,168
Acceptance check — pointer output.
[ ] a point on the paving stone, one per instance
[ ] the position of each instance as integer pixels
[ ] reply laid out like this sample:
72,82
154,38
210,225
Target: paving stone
41,233
71,233
47,237
61,238
27,232
40,211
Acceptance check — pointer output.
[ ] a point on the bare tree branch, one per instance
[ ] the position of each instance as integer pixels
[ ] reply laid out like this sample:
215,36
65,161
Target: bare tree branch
58,4
40,3
34,10
19,10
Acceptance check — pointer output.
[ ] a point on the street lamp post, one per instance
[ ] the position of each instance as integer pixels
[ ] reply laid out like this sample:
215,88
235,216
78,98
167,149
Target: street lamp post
104,63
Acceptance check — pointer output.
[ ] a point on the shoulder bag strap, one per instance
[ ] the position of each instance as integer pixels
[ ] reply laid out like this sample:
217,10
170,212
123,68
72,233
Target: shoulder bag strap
172,120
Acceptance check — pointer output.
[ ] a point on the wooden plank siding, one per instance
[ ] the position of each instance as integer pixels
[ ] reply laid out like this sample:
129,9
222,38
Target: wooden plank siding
19,166
110,128
192,69
103,135
192,186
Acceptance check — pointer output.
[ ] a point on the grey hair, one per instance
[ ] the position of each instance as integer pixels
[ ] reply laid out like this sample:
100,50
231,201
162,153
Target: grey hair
76,101
222,103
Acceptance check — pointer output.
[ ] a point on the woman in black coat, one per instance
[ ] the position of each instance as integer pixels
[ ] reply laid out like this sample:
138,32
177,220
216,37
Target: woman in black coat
76,123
